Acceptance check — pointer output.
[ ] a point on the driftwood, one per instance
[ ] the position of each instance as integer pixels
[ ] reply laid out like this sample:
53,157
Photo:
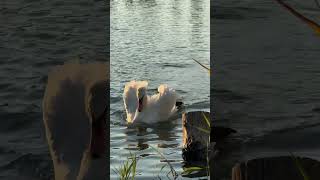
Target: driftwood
198,139
274,168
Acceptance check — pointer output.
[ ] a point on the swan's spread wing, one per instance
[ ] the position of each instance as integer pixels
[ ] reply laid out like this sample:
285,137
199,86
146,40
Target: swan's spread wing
130,98
130,102
141,84
166,101
65,114
136,85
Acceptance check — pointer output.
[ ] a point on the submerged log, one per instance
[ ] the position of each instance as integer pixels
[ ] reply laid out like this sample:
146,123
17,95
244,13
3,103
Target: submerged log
272,168
197,136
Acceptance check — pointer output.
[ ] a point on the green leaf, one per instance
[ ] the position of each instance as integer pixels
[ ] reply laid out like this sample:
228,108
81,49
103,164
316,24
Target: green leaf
190,170
207,120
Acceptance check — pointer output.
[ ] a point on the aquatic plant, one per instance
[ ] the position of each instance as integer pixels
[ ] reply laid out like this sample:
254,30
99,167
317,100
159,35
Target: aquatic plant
208,131
128,169
208,143
186,170
190,170
172,170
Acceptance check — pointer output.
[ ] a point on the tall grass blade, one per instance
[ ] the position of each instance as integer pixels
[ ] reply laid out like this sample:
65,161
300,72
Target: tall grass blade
300,168
173,172
189,170
203,130
207,119
128,168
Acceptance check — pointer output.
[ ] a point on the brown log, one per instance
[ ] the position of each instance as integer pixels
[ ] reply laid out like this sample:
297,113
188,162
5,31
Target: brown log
197,135
195,140
274,168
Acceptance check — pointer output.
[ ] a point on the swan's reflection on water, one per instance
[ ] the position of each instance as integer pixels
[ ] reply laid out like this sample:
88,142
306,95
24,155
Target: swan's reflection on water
139,137
144,140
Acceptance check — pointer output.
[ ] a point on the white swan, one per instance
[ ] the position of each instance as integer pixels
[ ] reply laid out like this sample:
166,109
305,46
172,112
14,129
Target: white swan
148,109
74,114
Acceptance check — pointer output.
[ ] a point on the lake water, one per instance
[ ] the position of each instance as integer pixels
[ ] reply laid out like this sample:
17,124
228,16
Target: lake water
35,36
155,41
266,82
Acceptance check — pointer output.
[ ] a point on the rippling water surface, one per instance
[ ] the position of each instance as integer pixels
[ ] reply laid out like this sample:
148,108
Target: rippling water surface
266,83
34,36
156,40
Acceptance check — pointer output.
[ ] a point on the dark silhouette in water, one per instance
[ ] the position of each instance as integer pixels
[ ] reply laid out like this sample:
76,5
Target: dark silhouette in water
219,133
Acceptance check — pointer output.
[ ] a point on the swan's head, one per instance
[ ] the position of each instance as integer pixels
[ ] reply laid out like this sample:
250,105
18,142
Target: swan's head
133,97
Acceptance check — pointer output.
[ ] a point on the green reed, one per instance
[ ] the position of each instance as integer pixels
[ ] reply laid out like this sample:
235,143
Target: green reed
127,170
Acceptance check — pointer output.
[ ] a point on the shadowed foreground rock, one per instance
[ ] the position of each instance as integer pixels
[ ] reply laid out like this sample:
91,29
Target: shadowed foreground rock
276,168
196,133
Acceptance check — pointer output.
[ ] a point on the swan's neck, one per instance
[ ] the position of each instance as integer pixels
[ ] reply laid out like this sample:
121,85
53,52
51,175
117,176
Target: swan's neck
145,101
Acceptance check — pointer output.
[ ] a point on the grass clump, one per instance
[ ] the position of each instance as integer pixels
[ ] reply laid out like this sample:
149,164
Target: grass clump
127,170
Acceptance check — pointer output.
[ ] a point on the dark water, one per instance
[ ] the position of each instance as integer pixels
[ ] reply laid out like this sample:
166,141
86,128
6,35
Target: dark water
156,40
34,36
266,82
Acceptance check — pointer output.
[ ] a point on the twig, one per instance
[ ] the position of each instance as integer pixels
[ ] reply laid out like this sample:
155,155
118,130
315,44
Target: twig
202,65
312,24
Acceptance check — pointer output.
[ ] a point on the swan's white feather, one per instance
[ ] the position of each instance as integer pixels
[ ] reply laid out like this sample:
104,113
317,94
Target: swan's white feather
130,98
159,107
67,105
